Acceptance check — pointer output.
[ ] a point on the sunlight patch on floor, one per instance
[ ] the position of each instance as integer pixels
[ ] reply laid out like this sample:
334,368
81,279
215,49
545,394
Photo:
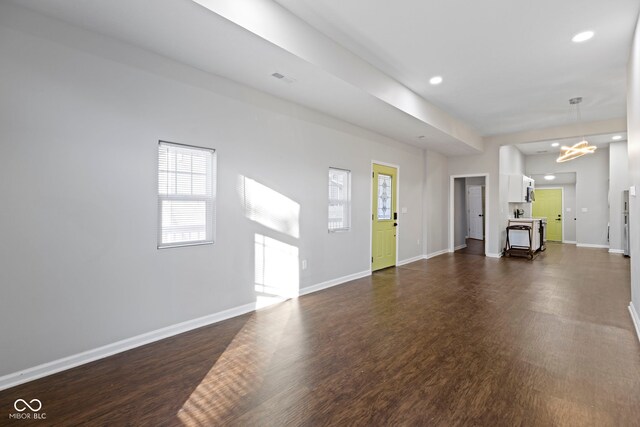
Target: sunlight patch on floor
238,373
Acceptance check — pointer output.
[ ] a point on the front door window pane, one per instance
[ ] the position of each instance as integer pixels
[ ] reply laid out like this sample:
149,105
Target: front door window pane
384,197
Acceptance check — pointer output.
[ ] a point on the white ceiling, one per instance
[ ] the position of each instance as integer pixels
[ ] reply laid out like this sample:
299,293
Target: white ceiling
544,147
561,178
186,32
507,65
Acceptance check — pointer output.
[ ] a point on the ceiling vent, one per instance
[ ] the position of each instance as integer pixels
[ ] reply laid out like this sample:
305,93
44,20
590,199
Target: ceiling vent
284,78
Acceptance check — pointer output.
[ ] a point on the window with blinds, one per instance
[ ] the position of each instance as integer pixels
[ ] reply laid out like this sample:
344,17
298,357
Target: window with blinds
186,195
339,199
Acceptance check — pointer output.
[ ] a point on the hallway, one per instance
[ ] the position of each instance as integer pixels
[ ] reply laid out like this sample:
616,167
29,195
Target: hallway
474,247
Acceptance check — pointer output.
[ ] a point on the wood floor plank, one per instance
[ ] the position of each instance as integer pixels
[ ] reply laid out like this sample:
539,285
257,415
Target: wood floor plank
459,339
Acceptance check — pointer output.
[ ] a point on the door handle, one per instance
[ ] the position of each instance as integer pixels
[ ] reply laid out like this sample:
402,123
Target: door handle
395,224
480,215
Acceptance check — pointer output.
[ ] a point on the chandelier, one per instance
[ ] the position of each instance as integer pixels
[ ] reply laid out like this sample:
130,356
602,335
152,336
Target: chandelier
582,147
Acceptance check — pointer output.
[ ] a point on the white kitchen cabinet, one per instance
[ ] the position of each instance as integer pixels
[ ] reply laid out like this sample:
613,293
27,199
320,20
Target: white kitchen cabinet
519,188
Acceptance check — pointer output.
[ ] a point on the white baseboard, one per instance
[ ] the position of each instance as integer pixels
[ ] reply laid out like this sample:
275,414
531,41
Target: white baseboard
333,282
409,260
460,247
589,245
492,255
635,318
72,361
569,242
435,254
616,251
49,368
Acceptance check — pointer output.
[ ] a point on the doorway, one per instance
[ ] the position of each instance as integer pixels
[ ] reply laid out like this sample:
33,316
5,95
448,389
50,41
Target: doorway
384,216
468,216
548,204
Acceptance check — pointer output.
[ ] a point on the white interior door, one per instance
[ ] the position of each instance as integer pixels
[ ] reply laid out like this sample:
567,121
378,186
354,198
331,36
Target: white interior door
476,212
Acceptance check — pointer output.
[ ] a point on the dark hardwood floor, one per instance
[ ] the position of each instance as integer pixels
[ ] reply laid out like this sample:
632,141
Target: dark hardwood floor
455,340
474,247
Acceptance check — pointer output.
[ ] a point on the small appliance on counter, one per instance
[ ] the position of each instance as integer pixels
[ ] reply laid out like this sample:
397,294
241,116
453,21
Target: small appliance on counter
531,195
518,213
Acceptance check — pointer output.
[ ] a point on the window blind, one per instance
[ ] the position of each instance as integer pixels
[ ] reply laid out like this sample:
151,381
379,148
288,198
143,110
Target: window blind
339,199
186,195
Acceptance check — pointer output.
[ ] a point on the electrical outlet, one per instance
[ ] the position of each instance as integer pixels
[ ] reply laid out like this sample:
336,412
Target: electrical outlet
304,264
418,242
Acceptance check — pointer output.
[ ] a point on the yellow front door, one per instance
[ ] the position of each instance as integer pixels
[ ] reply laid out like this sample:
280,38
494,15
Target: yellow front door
385,217
549,204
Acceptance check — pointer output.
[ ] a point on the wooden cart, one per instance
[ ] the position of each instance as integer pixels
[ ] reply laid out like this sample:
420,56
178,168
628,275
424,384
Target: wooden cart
526,251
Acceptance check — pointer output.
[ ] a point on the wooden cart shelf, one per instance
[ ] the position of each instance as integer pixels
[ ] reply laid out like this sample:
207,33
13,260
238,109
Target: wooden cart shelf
526,251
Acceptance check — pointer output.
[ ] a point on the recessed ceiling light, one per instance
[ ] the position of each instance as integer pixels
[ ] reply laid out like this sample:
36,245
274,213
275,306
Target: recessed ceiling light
617,137
549,177
555,144
582,37
435,80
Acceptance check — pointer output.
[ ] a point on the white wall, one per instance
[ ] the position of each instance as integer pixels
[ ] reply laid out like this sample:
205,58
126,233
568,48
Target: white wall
512,161
592,190
474,180
618,182
436,206
78,155
633,135
569,214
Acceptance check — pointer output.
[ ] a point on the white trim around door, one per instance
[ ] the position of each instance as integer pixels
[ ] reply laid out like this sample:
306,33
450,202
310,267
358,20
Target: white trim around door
399,227
487,218
544,187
